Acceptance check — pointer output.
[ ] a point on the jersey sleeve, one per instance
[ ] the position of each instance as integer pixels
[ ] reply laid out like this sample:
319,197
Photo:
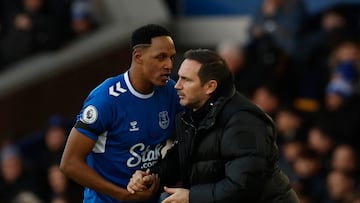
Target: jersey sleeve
96,114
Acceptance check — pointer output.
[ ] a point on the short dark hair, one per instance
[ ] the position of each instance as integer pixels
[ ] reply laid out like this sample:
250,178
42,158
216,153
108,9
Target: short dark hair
213,67
144,34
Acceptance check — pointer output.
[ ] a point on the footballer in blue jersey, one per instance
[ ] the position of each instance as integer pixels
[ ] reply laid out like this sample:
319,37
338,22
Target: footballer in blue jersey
126,140
124,123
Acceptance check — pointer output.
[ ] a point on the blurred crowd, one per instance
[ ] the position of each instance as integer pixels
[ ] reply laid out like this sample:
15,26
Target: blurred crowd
302,70
29,27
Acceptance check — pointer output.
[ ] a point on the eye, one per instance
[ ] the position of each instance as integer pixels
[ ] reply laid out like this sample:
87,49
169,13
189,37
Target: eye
161,57
185,79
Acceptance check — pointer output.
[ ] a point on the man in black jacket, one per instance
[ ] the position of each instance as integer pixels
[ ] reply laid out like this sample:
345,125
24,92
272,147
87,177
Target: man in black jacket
225,146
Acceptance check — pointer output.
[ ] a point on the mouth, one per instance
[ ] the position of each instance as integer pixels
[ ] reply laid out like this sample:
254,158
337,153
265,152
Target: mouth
165,77
181,96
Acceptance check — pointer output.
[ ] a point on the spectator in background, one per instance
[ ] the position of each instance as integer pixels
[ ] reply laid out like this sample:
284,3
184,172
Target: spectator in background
30,31
310,176
322,143
345,159
344,68
266,97
61,187
83,17
279,21
290,151
289,124
344,63
341,187
54,142
58,182
15,177
235,56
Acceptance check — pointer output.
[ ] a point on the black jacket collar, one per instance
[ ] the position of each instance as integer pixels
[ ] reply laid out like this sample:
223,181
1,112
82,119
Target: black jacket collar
204,117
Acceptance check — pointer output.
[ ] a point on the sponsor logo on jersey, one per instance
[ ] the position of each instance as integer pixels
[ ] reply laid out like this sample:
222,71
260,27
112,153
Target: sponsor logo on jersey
144,156
116,89
89,115
164,119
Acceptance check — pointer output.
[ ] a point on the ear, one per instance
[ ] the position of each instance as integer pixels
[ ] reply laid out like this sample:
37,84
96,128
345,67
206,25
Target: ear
211,87
137,56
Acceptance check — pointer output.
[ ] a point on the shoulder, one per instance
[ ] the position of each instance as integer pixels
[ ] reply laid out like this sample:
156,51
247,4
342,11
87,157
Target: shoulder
237,103
100,104
111,87
241,107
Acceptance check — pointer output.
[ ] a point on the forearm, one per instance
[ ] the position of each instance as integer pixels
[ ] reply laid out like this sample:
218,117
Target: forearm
81,173
73,164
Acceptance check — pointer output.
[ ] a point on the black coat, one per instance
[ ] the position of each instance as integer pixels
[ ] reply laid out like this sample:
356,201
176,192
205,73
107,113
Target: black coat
230,157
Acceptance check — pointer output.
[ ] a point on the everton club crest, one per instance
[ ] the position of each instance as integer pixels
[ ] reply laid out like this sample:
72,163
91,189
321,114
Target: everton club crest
163,119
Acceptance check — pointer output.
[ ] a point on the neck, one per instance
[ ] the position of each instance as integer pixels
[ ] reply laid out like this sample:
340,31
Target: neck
199,114
139,82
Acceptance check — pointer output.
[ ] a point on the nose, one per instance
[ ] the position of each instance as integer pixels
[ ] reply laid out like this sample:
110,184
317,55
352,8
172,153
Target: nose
178,85
168,64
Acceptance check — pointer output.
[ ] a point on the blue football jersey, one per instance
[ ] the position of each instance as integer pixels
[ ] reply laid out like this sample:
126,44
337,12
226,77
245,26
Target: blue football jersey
130,129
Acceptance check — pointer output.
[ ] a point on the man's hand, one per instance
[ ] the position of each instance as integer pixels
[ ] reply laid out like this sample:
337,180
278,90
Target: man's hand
140,181
177,195
146,194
